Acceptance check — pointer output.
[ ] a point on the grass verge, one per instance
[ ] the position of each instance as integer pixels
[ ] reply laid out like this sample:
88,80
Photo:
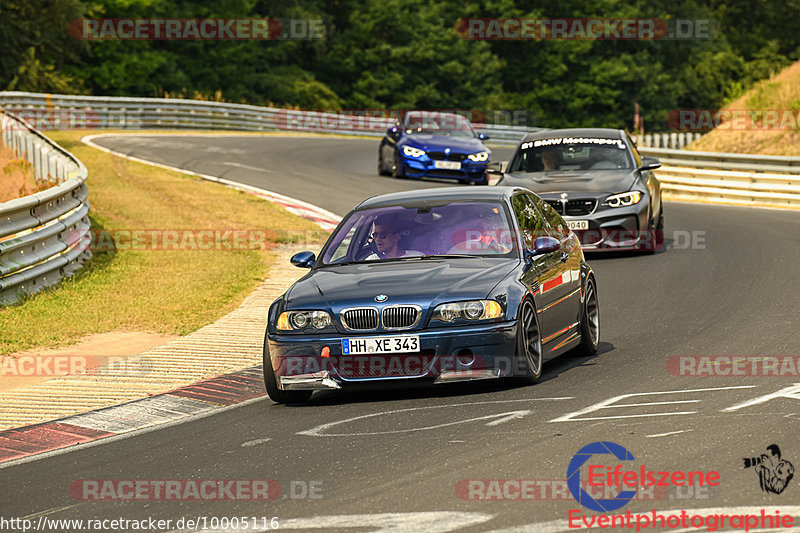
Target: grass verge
137,288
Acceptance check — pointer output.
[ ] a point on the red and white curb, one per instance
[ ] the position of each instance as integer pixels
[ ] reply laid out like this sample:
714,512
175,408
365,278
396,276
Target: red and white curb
200,398
322,217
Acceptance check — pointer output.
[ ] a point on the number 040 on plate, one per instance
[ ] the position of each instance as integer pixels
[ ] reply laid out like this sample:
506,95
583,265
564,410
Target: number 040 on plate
368,345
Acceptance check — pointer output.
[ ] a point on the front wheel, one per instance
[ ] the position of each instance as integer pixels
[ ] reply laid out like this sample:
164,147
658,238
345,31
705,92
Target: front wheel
529,345
397,172
382,166
590,322
271,384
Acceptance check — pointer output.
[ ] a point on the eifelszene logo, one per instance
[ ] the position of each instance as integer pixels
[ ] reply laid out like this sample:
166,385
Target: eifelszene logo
774,473
616,477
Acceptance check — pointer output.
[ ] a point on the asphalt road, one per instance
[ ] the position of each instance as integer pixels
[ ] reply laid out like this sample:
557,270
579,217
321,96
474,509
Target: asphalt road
402,460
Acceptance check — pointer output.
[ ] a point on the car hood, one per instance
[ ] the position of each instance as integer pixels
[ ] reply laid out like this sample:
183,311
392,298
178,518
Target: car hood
464,145
594,182
424,282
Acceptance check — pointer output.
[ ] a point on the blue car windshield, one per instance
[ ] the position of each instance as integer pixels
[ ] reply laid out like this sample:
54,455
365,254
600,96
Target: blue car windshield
461,229
565,154
436,123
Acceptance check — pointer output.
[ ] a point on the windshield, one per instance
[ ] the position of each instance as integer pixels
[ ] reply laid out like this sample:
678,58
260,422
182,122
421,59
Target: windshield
402,233
435,123
565,154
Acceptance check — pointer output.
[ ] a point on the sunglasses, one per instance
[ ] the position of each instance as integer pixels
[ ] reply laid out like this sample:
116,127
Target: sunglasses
381,234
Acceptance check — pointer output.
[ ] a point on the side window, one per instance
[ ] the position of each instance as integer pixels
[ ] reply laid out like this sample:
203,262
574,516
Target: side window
558,228
531,222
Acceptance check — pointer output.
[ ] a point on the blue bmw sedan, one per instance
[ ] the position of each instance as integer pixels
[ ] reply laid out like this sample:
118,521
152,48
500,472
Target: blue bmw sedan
433,286
436,145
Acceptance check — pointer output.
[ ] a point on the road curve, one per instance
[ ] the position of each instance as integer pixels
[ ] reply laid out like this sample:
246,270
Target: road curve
726,285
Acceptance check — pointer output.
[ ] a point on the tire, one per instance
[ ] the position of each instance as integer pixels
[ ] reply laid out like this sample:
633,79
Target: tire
396,173
528,358
271,384
590,323
381,167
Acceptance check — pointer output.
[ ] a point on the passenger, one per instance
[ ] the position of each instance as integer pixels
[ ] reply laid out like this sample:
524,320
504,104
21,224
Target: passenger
387,240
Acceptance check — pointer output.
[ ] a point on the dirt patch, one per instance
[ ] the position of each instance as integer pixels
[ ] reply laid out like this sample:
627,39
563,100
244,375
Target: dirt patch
780,95
17,178
38,365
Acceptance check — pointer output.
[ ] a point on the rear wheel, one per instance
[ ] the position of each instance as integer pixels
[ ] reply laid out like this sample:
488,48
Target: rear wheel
590,322
529,345
271,384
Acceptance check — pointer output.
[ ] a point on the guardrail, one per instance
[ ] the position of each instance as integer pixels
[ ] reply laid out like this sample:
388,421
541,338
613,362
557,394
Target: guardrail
738,179
714,177
43,236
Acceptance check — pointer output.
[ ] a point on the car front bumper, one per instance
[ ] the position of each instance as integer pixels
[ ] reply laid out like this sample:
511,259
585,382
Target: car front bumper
615,228
460,353
426,167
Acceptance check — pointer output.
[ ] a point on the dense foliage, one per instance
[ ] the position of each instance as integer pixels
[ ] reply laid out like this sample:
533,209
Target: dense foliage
402,54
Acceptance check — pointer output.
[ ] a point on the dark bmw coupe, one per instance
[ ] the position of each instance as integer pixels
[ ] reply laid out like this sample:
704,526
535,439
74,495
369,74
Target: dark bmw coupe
433,286
436,145
598,181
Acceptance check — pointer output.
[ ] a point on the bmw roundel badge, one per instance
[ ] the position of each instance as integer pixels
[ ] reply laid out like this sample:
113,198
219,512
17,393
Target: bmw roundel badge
381,298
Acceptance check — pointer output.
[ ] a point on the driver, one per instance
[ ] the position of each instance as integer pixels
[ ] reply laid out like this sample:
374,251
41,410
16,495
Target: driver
386,237
550,160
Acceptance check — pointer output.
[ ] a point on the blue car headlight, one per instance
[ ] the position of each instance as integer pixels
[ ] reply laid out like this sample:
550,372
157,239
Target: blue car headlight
300,320
470,310
624,199
480,156
410,151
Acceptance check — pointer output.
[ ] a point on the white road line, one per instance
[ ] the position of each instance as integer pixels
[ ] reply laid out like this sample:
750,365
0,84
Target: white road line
254,442
319,431
667,434
792,392
322,213
607,404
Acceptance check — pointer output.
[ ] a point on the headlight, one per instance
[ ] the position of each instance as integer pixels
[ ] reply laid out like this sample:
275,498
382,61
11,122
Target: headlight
410,151
480,156
624,199
299,320
473,310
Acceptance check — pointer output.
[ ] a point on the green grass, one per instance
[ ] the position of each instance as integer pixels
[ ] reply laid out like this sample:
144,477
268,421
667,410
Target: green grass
160,291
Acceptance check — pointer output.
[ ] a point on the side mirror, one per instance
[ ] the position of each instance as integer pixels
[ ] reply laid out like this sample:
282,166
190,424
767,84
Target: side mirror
650,163
393,132
483,136
545,245
496,167
303,259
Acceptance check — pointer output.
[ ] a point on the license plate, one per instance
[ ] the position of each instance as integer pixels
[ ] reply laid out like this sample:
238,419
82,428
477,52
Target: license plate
577,224
399,344
447,165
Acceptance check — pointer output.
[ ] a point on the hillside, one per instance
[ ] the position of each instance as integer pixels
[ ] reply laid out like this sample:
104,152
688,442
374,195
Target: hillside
776,99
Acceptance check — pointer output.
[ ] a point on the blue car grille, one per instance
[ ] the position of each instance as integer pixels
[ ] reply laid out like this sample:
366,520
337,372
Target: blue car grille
361,318
404,316
441,156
